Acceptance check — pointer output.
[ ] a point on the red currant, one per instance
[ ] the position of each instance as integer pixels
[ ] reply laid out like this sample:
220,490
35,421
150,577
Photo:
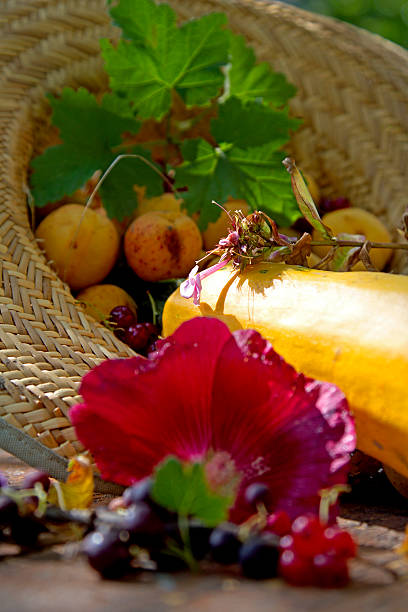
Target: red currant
307,532
295,569
279,523
286,543
330,571
339,542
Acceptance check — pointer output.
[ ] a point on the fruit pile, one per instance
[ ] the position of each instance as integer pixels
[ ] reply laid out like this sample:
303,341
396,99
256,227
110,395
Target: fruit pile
149,169
134,531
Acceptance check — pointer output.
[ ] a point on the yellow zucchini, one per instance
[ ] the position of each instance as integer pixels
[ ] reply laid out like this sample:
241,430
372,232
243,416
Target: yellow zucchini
348,328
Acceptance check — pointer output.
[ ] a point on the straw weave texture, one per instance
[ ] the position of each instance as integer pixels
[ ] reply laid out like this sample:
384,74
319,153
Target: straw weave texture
352,95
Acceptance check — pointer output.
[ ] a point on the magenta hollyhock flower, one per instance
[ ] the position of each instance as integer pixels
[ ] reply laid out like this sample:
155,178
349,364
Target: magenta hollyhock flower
227,400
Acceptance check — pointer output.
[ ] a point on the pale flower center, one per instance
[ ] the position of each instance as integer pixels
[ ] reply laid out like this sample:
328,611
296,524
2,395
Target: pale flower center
221,473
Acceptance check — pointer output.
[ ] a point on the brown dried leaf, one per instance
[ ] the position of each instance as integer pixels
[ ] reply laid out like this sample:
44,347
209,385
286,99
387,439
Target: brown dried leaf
300,251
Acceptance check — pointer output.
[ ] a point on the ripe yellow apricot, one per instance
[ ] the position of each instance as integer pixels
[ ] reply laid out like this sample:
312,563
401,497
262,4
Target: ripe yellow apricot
357,221
160,245
219,228
82,244
166,201
99,300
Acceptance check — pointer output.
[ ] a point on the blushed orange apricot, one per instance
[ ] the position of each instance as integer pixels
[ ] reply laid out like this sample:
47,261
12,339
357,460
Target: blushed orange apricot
161,245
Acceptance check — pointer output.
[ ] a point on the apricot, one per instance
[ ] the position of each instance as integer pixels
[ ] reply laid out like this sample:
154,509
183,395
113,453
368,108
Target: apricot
166,201
82,245
99,300
219,228
160,245
357,221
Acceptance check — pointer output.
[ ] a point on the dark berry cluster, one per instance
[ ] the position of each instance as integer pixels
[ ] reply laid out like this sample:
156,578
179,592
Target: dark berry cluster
303,552
136,532
19,522
139,336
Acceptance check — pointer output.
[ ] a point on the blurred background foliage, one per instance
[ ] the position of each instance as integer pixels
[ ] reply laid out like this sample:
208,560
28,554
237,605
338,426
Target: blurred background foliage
389,18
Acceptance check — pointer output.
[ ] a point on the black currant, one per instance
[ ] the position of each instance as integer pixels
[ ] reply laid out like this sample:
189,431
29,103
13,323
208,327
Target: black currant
8,511
225,544
199,536
137,336
122,316
107,553
25,531
32,478
138,492
256,493
259,556
145,527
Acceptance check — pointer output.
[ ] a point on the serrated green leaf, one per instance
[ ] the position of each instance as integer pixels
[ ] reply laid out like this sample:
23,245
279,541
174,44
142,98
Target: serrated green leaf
59,172
254,174
89,132
117,190
87,125
251,124
249,80
143,21
161,57
117,105
182,488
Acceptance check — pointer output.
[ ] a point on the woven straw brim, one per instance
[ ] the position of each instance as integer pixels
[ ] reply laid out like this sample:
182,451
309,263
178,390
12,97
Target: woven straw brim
352,96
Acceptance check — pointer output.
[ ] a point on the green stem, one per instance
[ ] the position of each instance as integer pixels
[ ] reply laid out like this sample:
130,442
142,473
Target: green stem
185,536
353,243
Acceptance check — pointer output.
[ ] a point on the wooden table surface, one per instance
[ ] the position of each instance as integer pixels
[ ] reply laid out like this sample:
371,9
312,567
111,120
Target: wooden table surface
57,579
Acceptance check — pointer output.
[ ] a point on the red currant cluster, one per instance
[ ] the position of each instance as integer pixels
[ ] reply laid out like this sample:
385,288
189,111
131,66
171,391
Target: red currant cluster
314,554
139,336
311,553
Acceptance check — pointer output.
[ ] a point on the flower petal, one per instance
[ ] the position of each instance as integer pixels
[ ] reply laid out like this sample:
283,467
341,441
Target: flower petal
159,406
272,424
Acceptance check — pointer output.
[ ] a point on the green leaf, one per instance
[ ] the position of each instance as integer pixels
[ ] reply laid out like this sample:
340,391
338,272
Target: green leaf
59,171
254,174
251,124
89,132
249,80
117,190
182,488
143,21
161,57
117,105
87,125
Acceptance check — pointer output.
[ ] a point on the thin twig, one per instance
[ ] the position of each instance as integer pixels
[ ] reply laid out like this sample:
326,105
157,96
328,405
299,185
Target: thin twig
355,243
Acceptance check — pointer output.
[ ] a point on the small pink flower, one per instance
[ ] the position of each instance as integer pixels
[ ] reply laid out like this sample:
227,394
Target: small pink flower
226,400
191,287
